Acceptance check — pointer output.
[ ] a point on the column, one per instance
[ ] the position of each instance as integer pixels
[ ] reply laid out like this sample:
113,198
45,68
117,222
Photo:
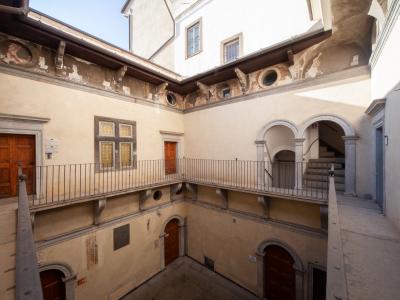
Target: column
350,143
298,148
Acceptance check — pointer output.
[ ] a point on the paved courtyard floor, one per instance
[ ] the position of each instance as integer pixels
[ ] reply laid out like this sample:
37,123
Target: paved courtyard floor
185,279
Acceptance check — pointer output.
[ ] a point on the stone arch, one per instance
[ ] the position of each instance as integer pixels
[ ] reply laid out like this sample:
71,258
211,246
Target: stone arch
263,131
69,276
278,149
298,266
347,128
350,139
182,235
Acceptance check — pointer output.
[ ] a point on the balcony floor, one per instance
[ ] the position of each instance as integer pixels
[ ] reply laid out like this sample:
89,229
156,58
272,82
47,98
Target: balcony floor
371,247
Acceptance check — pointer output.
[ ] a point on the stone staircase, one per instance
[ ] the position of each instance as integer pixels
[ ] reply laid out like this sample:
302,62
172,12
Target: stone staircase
316,175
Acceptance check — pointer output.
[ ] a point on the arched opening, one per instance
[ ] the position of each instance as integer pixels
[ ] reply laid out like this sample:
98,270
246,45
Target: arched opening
53,285
171,241
323,146
283,169
279,274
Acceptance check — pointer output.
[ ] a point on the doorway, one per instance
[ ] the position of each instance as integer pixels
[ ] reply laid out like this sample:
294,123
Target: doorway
318,284
279,274
170,157
16,149
379,173
283,170
53,286
171,241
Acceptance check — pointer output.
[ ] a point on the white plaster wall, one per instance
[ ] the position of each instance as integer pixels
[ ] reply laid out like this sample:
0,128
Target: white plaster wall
229,131
264,26
72,112
385,75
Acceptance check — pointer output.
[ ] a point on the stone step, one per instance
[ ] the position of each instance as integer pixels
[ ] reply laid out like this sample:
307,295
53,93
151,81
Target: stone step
317,171
328,159
323,178
322,185
323,165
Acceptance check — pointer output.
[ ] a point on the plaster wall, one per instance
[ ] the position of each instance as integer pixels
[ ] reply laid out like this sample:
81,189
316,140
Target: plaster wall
216,133
71,113
220,22
232,242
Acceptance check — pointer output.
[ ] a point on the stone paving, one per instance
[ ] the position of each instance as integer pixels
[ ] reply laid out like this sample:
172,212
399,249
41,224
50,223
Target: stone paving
188,280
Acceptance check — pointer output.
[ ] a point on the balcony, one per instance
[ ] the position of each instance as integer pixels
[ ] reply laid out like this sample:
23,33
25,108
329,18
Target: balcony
58,185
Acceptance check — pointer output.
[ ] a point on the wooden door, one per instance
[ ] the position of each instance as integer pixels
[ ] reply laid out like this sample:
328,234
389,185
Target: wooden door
53,286
16,149
171,241
319,284
279,274
170,157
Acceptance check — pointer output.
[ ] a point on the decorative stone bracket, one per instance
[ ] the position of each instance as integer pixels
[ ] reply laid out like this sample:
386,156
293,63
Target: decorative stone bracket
143,196
119,76
243,80
265,203
206,90
98,209
192,188
160,90
223,194
59,59
176,191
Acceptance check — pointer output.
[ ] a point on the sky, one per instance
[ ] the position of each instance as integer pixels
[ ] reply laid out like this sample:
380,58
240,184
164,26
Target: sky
101,18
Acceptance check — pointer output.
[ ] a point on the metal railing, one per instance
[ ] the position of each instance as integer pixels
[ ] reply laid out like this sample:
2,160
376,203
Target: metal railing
71,182
27,279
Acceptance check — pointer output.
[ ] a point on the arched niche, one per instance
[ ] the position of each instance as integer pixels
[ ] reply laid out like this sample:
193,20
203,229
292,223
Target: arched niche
69,276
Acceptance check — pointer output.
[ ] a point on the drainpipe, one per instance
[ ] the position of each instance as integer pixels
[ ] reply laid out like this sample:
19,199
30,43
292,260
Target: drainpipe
23,10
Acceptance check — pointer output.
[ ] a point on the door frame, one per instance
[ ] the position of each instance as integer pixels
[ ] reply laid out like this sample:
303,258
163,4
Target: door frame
69,276
24,125
311,267
181,225
174,137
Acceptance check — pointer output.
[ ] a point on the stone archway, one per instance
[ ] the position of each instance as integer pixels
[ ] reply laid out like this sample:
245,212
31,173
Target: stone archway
69,276
181,225
298,267
350,143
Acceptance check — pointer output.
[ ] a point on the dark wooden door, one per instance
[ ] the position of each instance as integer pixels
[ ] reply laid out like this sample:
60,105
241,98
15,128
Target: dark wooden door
170,157
16,149
171,241
319,284
52,285
279,274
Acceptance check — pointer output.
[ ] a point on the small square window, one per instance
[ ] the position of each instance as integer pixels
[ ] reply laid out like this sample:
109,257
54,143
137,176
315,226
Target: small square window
106,154
125,150
226,92
121,236
106,129
125,130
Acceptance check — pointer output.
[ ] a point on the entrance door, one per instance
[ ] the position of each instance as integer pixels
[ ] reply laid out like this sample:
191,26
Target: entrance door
379,166
319,284
53,286
170,157
279,274
171,241
15,149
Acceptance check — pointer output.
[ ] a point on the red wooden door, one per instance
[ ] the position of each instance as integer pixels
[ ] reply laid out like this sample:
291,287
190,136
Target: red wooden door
171,241
53,286
170,157
16,149
279,274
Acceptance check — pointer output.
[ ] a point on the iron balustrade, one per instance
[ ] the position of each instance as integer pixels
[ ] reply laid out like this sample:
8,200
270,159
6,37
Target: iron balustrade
56,184
27,279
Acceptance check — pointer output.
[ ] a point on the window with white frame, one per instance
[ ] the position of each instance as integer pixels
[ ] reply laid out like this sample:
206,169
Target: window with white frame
231,50
115,143
193,39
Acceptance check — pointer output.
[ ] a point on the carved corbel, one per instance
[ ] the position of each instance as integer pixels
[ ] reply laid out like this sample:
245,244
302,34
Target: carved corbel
265,203
223,194
192,188
206,90
243,80
143,196
119,75
59,59
33,220
98,209
160,89
323,212
176,191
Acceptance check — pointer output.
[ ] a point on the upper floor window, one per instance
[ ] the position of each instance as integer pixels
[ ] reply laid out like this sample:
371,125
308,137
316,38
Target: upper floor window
115,143
193,39
231,49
